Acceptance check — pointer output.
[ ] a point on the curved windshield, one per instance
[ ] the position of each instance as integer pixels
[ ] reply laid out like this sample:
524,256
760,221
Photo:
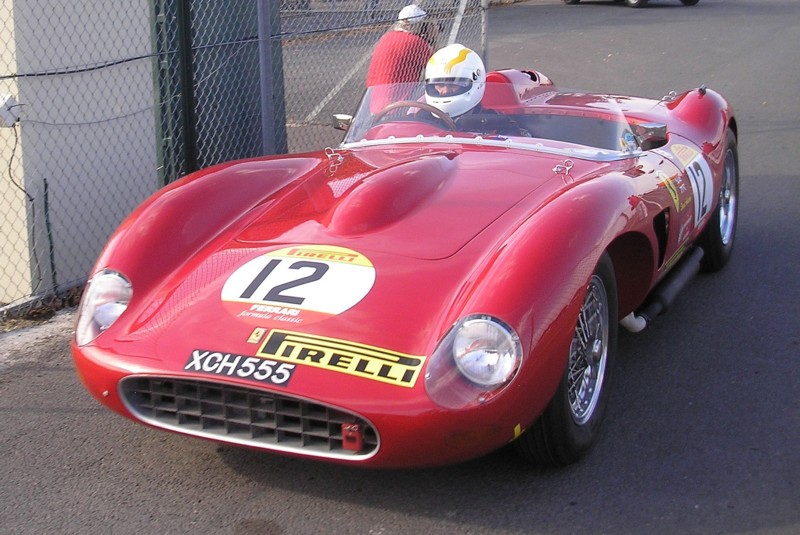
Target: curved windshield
542,118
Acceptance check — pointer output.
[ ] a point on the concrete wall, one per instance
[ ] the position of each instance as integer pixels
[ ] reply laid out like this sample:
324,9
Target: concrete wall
14,265
87,130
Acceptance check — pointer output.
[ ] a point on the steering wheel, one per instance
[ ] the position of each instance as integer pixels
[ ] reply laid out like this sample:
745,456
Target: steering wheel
436,112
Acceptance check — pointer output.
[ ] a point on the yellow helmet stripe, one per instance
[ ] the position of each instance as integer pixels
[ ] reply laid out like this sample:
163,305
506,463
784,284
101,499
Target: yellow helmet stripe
462,55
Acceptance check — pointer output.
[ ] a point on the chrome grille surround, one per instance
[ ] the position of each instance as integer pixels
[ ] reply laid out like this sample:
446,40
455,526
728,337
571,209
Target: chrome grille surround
244,416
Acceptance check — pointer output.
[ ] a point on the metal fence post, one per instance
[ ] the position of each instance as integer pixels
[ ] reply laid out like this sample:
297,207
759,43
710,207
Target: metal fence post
270,54
187,85
485,31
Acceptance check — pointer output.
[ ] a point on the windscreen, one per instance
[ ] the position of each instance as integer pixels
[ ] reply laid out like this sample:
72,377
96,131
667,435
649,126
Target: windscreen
574,123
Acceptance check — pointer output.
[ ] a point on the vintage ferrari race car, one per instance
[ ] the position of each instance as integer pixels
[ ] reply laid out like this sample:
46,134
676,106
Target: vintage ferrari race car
425,293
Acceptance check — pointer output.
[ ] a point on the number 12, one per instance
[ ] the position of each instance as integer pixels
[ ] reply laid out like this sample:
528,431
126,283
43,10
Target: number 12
276,292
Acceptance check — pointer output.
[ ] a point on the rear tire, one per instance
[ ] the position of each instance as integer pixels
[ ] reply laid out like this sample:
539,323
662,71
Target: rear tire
572,1
689,2
636,3
718,236
571,422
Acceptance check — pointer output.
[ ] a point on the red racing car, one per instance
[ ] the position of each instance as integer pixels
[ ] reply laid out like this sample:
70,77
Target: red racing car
425,293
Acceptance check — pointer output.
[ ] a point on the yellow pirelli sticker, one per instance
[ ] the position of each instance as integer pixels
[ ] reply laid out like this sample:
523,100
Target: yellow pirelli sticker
325,254
342,356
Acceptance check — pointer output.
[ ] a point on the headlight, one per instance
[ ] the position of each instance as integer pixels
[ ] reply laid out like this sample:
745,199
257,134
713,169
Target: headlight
477,358
486,351
106,297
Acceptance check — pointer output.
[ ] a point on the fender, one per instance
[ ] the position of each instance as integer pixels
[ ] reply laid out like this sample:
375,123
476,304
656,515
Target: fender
550,264
198,209
701,115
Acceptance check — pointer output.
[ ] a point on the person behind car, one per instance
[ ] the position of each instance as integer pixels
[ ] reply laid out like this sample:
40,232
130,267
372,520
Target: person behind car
400,55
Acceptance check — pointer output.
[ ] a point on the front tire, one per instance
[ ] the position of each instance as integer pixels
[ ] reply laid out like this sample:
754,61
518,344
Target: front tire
717,238
572,1
636,3
571,422
689,2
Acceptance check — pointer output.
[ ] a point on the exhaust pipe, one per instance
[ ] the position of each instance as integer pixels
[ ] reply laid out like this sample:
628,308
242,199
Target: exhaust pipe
665,293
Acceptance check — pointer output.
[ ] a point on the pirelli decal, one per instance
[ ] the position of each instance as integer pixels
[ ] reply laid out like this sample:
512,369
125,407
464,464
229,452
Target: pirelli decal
342,356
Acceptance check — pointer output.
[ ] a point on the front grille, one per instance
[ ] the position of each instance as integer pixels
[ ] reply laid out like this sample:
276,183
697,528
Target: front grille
244,416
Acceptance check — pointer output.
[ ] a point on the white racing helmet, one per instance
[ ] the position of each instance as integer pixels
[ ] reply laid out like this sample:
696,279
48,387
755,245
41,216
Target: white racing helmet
455,80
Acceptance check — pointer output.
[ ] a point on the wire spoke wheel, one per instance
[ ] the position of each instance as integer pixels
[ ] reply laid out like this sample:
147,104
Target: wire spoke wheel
589,353
728,199
568,427
718,237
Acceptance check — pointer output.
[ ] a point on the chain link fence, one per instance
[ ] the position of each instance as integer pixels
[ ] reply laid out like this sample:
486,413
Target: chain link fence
102,103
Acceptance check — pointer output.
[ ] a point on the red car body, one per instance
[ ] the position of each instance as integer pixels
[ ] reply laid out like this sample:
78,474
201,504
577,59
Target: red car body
295,303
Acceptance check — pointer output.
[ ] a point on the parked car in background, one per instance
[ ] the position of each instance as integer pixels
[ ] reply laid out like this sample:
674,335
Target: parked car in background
637,3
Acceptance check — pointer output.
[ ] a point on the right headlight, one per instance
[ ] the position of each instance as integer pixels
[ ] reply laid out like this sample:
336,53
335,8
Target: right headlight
106,297
477,358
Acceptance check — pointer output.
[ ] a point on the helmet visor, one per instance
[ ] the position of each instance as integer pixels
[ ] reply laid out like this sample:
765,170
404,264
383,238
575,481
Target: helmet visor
447,87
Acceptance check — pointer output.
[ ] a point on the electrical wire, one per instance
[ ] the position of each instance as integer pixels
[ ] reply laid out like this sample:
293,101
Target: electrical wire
11,164
30,200
239,47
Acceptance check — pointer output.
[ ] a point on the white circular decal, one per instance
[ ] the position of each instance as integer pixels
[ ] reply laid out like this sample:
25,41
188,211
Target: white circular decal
700,177
298,284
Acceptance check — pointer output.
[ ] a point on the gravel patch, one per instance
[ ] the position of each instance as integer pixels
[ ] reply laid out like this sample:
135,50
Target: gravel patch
15,345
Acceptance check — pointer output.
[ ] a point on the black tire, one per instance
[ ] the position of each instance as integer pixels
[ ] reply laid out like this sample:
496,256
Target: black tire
718,237
689,2
571,422
636,3
572,1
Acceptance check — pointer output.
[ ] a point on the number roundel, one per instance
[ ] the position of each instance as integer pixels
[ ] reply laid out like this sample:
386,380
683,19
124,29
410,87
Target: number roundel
299,284
700,177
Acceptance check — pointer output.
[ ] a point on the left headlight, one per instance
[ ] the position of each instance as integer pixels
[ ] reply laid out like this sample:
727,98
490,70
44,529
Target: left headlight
106,297
478,357
486,351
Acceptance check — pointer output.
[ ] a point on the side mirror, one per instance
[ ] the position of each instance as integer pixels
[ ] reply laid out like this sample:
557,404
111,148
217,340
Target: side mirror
650,135
342,121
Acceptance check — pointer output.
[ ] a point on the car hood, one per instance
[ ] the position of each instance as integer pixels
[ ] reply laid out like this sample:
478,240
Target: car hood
418,203
378,250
